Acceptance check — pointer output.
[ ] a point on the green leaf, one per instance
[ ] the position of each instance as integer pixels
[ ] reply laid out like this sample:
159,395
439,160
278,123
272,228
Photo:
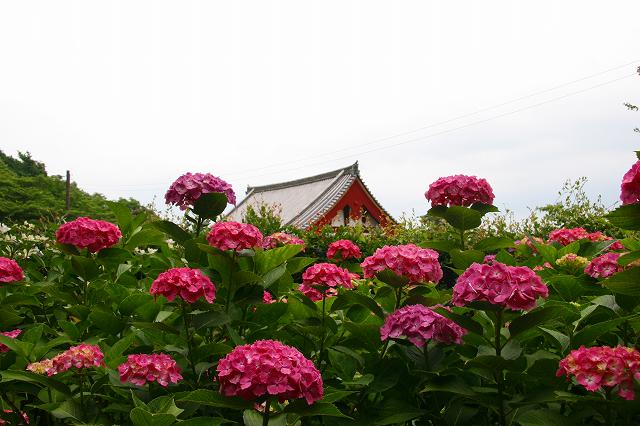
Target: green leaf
132,302
210,319
141,417
254,418
396,412
21,348
176,233
484,208
113,357
542,417
122,213
214,399
588,334
269,259
562,339
204,421
627,258
351,298
29,377
450,384
625,282
301,408
461,218
269,314
533,319
209,206
146,237
494,243
297,264
463,259
68,410
164,405
84,267
391,278
273,275
106,321
626,217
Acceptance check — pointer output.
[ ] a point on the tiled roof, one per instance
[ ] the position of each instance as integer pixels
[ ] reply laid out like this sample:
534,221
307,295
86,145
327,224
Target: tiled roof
302,202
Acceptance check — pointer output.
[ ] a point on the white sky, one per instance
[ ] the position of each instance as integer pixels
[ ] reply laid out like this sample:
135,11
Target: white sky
129,95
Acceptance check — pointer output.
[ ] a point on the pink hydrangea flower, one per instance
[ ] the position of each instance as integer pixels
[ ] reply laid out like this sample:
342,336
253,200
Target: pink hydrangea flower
280,239
545,265
630,187
84,232
23,415
603,366
459,190
566,236
323,279
81,356
410,261
40,367
234,236
190,186
267,298
513,287
344,249
10,271
420,324
526,241
489,259
189,284
599,236
269,368
10,334
142,368
603,266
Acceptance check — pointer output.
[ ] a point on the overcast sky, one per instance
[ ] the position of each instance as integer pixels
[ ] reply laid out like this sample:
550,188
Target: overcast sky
129,95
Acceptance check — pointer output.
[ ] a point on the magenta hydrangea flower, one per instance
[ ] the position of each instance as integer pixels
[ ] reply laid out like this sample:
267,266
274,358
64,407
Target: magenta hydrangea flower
280,239
420,324
513,287
189,284
84,232
10,334
566,236
630,187
603,366
529,243
415,263
268,368
459,190
40,367
603,266
10,271
489,259
234,236
323,279
344,249
142,368
81,356
190,186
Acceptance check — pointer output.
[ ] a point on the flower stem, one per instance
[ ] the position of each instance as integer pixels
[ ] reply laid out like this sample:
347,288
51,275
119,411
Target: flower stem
265,416
398,298
324,301
425,352
199,223
189,341
500,373
462,239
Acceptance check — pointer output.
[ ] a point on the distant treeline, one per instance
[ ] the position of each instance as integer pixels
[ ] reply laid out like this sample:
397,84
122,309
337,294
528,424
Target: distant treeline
27,192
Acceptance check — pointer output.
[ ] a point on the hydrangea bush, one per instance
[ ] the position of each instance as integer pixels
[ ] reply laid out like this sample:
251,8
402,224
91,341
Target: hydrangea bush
149,322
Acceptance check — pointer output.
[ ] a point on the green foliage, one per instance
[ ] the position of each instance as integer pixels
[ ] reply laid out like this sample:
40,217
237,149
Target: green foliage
266,218
28,193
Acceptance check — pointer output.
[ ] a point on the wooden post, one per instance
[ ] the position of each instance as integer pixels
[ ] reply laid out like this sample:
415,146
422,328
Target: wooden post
68,194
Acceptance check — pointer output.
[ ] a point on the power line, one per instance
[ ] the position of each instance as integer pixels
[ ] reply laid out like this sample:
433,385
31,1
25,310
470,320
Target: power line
450,130
243,174
459,117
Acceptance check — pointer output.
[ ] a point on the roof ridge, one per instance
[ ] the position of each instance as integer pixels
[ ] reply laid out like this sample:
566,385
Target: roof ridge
352,169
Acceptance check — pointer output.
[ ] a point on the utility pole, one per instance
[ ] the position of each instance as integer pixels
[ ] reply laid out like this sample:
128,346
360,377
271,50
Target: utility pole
68,194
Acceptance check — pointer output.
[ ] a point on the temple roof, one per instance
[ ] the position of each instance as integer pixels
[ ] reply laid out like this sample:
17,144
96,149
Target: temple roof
302,202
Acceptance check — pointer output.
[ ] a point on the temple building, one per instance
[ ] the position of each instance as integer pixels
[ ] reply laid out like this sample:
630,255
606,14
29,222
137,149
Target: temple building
336,198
